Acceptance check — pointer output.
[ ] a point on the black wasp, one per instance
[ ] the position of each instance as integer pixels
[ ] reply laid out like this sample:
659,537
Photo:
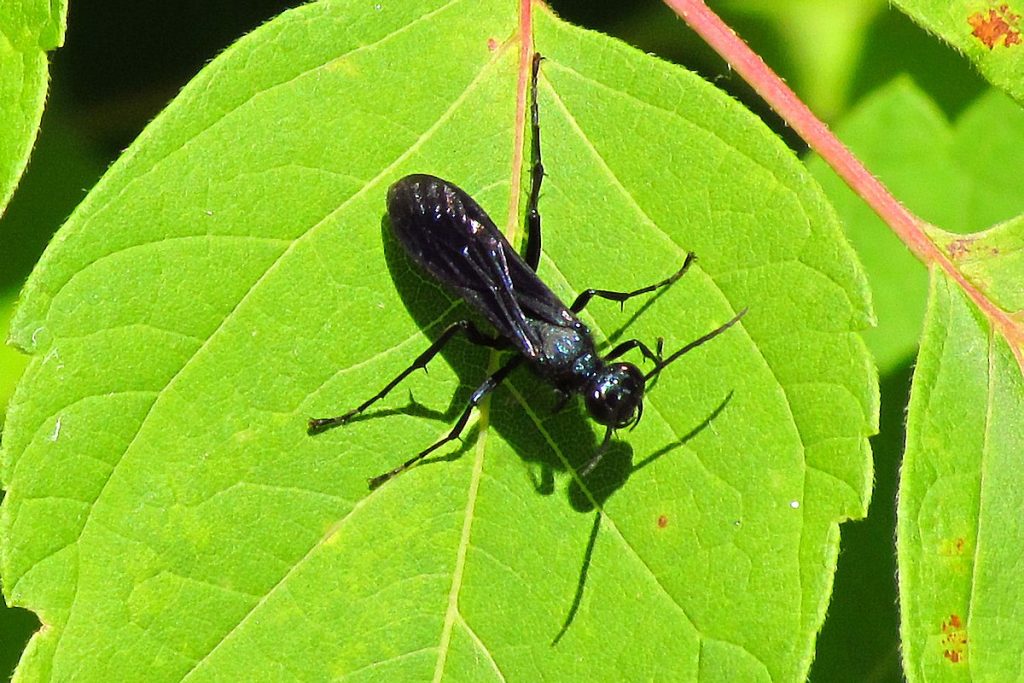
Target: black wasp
450,237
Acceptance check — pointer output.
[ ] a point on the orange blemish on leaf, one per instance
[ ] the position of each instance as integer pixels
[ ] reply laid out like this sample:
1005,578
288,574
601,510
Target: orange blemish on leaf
662,521
952,547
954,639
997,25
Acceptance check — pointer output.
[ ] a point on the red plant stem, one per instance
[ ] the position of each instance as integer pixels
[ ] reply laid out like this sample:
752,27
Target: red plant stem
525,37
815,133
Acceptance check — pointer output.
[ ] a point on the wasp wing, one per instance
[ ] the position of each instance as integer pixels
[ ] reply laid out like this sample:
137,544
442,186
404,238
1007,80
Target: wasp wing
447,233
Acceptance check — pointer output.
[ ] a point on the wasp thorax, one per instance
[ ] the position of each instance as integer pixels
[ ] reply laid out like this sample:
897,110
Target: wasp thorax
615,395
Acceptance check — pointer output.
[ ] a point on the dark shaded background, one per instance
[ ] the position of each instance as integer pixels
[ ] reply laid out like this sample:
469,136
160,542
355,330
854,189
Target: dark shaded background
125,59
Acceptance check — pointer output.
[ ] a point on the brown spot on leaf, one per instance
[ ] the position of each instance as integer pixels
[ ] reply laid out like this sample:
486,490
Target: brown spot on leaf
997,25
492,44
662,521
956,546
959,248
954,639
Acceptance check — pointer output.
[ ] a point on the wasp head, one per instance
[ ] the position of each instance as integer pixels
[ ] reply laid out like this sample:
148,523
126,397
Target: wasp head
615,395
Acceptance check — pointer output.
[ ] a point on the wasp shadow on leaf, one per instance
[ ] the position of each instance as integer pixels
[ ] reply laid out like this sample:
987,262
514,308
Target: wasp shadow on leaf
617,466
704,424
542,428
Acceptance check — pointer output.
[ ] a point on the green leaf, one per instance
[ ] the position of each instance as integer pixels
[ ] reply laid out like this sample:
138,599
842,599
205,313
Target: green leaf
988,34
991,261
169,517
934,156
960,498
12,363
28,30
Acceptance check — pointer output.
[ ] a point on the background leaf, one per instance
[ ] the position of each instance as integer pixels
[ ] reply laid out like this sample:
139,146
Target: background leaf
969,155
226,280
28,30
821,43
959,532
989,34
957,174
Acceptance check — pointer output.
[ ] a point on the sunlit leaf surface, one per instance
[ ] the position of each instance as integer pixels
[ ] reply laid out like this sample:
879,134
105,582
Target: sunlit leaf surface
169,517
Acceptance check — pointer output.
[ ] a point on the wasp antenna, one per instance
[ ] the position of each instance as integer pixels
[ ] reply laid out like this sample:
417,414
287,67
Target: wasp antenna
695,343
